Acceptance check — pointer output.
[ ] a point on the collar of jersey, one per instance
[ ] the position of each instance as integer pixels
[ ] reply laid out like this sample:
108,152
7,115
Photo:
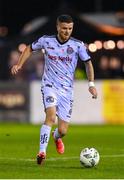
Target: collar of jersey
60,41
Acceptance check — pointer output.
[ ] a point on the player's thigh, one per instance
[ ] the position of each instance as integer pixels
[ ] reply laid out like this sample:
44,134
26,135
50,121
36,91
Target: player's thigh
51,112
49,97
64,108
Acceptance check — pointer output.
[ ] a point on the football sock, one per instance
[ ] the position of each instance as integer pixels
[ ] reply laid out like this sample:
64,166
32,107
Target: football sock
56,134
44,137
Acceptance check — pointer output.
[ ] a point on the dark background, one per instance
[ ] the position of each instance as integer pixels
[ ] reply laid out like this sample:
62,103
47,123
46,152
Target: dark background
15,14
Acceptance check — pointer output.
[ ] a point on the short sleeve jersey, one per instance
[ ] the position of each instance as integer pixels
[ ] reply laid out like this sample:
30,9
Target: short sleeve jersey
60,59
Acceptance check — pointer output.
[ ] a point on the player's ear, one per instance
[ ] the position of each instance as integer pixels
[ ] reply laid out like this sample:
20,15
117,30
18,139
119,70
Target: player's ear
57,26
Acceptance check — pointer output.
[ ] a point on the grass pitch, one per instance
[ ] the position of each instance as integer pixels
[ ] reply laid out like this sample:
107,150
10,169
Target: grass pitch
19,145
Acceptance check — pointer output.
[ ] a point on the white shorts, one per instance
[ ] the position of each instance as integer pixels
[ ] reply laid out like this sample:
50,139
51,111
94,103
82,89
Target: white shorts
62,99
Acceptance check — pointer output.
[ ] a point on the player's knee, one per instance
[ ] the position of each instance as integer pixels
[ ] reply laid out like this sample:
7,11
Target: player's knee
51,119
62,131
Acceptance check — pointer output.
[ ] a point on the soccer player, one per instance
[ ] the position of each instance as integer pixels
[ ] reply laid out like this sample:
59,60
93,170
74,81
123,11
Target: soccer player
61,56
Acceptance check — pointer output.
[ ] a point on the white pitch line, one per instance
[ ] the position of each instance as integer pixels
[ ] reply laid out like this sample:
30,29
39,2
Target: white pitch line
113,155
61,158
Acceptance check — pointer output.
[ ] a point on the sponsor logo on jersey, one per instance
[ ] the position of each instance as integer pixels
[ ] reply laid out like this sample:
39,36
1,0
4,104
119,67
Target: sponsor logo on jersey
60,58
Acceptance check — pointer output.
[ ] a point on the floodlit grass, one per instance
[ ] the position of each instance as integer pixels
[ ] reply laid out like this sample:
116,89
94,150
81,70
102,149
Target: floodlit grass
19,145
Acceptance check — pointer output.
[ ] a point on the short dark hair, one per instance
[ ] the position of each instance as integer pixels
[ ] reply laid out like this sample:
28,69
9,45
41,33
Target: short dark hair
64,18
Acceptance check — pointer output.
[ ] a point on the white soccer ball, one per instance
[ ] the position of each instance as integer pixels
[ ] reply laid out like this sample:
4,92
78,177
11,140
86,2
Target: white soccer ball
89,157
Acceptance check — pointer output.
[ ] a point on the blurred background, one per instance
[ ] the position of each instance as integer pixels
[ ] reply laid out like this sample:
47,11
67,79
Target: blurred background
98,23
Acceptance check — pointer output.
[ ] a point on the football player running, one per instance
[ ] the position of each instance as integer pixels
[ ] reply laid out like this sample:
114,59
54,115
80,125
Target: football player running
61,56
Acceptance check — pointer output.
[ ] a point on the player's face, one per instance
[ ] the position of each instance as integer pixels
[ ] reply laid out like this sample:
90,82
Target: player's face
64,30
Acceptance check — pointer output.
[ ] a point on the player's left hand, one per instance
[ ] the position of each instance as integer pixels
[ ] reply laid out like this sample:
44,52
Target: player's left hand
93,91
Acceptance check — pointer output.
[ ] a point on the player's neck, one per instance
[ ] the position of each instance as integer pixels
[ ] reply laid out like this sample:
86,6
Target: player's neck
60,40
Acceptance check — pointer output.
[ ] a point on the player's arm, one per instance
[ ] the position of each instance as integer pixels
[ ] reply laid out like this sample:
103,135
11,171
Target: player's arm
90,76
22,59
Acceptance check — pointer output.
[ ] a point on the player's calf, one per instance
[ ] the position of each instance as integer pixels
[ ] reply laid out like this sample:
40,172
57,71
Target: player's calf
59,144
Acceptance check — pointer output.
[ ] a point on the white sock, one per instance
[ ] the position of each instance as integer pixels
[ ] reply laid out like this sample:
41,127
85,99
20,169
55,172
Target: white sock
56,134
44,137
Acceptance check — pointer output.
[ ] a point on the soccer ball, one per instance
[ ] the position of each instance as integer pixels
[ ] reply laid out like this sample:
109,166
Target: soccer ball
89,157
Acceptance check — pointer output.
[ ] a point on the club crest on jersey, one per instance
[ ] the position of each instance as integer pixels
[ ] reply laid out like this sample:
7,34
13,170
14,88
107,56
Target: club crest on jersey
70,50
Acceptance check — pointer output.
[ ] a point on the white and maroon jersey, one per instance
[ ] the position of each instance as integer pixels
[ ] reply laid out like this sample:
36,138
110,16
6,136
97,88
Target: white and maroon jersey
60,59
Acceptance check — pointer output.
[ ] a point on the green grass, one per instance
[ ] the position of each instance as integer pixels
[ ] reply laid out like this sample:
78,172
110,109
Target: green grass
19,145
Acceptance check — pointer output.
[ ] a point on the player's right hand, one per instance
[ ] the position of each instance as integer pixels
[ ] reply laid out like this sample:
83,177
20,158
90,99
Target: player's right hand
15,69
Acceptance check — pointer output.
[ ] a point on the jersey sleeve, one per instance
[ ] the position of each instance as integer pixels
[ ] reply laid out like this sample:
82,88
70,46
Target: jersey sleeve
38,44
83,54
